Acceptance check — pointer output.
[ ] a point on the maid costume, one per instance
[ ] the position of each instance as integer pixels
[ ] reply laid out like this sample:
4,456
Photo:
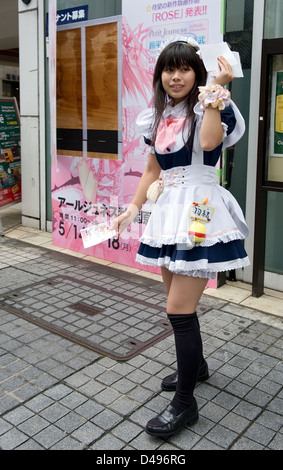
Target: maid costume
192,193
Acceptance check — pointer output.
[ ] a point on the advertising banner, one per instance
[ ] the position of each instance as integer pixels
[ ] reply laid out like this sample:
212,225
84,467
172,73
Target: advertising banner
10,152
277,115
100,154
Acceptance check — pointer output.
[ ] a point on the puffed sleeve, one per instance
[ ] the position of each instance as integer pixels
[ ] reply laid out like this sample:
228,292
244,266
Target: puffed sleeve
144,123
232,122
235,123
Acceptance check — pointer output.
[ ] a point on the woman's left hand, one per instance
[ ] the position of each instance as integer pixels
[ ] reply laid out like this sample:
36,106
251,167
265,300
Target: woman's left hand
225,75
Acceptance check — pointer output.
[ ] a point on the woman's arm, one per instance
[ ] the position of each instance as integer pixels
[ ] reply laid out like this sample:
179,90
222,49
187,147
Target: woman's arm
150,174
211,132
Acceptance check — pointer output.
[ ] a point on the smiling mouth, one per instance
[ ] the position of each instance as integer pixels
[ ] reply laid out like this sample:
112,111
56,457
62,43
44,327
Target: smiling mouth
176,87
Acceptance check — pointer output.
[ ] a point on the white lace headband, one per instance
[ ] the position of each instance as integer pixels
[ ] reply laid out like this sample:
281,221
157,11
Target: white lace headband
183,40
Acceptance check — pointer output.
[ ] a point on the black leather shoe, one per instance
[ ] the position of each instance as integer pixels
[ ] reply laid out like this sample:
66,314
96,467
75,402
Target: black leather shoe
169,383
167,423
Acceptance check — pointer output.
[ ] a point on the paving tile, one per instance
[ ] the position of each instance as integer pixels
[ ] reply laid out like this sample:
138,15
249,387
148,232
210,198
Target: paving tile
33,425
276,443
226,400
68,443
206,444
213,412
107,419
7,403
247,410
127,431
87,433
70,422
49,436
124,405
186,439
30,444
260,434
54,412
18,415
108,442
4,427
246,444
235,422
222,436
270,420
12,439
276,405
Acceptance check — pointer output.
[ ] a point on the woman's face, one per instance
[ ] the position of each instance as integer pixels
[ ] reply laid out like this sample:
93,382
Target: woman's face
178,82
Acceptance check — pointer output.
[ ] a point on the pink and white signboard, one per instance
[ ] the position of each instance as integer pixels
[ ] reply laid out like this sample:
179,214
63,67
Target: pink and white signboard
87,190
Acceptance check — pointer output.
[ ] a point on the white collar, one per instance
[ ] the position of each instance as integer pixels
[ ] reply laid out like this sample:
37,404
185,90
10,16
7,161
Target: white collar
177,111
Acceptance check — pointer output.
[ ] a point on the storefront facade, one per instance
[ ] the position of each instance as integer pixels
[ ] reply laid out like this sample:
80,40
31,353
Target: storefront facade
253,170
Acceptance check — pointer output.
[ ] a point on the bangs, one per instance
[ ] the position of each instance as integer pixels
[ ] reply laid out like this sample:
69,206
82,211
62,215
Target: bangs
179,55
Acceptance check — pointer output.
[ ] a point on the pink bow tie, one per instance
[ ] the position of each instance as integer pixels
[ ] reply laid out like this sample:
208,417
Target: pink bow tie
167,131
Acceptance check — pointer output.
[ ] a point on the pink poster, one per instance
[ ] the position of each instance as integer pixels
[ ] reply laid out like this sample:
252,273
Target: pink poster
93,189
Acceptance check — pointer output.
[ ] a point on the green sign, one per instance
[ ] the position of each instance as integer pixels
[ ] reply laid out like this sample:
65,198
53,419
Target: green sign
10,155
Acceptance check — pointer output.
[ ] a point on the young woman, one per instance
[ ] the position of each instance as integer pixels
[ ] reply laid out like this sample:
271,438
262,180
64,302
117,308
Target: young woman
196,227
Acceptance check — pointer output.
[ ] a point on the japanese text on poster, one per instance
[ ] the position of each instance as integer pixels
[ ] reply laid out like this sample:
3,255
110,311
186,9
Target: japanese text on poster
10,155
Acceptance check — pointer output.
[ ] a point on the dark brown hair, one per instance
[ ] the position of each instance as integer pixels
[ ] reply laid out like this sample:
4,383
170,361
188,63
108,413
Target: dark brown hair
176,55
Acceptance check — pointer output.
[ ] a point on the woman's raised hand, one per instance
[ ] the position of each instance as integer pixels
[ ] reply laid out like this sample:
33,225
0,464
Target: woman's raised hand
225,75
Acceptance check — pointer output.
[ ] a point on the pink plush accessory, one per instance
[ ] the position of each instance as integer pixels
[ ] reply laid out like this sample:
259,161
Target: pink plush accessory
154,190
214,95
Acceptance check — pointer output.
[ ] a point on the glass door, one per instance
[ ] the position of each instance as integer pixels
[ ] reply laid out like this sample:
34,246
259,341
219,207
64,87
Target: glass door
268,257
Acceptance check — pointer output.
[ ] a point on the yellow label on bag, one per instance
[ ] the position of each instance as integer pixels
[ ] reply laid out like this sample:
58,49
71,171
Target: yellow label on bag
201,212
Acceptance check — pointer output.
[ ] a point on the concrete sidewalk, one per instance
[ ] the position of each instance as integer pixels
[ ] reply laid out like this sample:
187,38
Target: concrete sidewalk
58,390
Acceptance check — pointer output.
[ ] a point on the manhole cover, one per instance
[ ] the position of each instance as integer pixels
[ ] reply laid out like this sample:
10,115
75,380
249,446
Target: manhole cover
111,323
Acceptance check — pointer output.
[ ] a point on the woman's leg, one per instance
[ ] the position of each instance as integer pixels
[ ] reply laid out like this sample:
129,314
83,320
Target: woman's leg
169,383
183,296
189,356
167,279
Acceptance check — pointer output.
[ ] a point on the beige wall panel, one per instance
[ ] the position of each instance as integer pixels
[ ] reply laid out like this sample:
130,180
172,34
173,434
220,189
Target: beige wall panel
69,82
102,78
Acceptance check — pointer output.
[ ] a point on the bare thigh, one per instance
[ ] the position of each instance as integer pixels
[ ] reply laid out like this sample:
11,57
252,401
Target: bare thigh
183,292
167,279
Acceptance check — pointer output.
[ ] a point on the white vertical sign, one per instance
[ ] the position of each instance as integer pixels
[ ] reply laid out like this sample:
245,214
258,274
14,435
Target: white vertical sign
52,9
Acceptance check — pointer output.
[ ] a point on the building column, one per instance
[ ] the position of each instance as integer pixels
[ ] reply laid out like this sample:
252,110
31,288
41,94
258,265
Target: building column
258,24
32,97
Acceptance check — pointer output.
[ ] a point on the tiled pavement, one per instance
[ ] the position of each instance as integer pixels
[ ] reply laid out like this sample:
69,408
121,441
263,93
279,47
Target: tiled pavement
58,394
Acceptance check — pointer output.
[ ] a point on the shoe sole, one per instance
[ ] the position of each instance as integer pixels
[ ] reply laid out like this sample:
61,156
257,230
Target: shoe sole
168,434
172,388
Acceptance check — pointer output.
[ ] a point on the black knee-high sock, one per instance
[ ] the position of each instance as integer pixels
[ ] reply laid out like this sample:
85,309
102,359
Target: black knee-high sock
189,356
202,358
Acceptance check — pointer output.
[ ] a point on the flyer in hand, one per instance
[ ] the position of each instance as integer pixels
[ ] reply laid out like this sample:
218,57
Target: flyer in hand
95,234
